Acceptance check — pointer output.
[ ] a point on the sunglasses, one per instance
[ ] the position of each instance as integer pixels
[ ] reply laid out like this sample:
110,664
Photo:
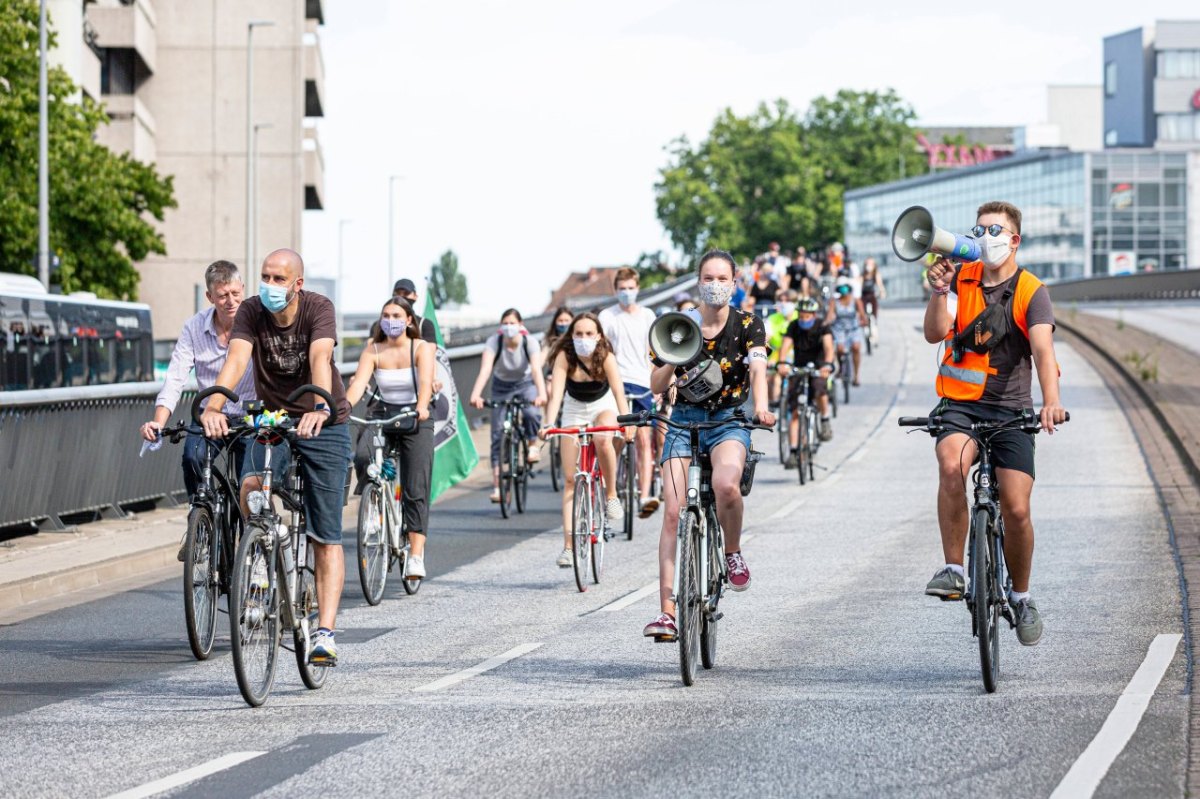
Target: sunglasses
991,230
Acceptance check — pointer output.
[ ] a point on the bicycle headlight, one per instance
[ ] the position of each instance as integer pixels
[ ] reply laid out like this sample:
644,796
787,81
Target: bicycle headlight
257,501
373,471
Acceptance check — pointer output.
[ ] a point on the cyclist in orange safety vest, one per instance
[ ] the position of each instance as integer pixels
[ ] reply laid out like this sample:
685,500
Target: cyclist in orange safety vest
1003,325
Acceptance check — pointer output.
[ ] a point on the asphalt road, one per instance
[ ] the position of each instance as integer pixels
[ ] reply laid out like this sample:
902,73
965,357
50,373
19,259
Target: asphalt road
1175,320
835,675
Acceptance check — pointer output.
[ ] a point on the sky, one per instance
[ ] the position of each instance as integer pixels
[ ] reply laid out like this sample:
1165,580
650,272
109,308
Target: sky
528,134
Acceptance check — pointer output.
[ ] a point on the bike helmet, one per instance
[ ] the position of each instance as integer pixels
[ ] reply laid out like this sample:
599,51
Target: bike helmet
808,305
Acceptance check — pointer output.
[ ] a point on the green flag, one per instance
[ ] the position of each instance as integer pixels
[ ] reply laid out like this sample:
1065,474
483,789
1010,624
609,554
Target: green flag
454,454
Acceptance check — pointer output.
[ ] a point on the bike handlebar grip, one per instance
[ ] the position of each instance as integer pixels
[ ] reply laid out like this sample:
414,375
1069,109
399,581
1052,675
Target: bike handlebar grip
208,392
631,418
1067,417
309,388
913,421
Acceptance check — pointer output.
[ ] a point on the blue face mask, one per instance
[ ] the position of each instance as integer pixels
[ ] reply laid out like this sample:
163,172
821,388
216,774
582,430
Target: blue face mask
806,324
274,298
561,329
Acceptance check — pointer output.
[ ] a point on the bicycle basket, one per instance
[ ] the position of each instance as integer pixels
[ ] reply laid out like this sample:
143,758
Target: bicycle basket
752,458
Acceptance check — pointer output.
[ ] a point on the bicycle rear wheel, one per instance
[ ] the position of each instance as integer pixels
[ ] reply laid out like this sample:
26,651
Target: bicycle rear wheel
373,558
986,611
254,614
627,485
785,444
306,610
520,472
708,627
556,474
581,533
505,474
201,558
814,443
847,376
599,530
688,610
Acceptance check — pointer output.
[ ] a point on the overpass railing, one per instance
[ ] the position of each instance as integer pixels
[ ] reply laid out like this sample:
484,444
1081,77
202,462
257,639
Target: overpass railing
1175,284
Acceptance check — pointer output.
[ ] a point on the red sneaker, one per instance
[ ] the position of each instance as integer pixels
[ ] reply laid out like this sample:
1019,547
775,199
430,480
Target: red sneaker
739,572
661,629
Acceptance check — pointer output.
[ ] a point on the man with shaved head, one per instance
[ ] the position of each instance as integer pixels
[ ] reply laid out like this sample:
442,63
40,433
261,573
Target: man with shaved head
291,334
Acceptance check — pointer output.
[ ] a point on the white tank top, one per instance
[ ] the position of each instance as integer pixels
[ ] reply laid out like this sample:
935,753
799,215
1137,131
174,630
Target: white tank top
397,386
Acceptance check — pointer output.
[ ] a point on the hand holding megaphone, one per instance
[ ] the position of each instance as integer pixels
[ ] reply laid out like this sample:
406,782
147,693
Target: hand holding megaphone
940,274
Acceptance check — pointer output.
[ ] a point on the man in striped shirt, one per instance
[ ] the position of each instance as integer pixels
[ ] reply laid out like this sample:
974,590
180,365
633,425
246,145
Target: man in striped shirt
203,345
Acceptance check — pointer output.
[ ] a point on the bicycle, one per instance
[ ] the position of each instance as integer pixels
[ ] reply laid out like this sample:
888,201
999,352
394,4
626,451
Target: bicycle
989,584
784,418
809,439
514,454
557,479
845,373
214,526
382,535
589,522
628,477
699,547
274,574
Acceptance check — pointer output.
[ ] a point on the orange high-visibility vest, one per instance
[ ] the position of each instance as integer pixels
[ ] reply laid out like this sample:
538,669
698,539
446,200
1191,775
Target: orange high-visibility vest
965,379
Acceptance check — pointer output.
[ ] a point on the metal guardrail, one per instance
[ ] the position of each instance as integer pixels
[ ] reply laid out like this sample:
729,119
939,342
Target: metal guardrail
1175,284
75,450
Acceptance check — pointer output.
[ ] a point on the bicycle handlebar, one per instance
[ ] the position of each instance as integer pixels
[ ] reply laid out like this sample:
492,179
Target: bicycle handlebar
933,424
515,400
642,419
309,388
580,431
208,392
381,422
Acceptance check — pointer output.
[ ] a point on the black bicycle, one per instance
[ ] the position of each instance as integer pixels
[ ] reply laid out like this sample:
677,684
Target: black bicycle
808,440
988,581
514,454
274,574
700,570
214,526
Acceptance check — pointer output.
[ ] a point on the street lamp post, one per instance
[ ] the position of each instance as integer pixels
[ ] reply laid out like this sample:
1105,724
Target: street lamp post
341,275
251,269
43,253
252,250
391,234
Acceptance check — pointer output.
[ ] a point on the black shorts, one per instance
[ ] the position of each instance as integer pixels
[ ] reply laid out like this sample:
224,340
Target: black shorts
817,387
1011,449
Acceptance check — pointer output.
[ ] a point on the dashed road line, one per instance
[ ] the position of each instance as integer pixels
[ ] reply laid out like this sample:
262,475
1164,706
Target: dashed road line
630,598
479,668
187,775
1088,771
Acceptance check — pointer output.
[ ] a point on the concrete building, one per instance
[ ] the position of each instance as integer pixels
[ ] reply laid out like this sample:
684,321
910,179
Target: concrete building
172,76
1152,86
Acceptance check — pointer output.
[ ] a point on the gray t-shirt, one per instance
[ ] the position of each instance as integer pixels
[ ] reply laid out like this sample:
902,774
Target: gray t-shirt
1010,387
511,365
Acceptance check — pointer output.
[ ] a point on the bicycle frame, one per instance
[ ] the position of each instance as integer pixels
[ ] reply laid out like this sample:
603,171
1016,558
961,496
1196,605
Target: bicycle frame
987,499
289,549
697,490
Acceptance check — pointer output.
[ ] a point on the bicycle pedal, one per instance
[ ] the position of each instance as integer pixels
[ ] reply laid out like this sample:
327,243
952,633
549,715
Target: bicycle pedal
665,639
951,598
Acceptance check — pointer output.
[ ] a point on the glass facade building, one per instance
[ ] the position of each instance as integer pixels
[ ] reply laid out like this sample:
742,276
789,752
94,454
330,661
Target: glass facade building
1083,214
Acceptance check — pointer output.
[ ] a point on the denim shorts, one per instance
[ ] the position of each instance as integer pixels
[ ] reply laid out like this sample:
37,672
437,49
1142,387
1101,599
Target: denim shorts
639,398
325,466
678,442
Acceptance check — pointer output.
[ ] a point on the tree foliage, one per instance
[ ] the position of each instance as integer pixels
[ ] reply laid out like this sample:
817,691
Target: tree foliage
652,268
446,283
100,201
775,175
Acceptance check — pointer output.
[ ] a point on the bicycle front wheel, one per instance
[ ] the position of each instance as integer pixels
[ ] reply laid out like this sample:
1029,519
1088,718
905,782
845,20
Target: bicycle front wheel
581,533
556,475
627,483
785,444
984,593
373,557
506,476
306,611
200,581
521,473
599,531
254,614
688,609
803,447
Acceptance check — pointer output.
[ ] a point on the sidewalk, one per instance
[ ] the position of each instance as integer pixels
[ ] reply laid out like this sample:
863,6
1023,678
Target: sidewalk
48,571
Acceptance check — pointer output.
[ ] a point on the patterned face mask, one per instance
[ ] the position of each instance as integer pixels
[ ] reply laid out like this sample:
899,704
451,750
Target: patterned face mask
716,294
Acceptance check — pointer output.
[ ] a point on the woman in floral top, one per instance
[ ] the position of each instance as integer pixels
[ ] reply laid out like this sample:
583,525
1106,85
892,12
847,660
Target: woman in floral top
737,341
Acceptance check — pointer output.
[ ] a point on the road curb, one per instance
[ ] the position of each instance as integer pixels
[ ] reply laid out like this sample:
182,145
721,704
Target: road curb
1164,427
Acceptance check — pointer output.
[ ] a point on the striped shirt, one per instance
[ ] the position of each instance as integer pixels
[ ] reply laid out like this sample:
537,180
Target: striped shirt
199,348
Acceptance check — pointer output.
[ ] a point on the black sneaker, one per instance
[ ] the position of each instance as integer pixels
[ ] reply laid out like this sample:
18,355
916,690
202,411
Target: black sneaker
793,460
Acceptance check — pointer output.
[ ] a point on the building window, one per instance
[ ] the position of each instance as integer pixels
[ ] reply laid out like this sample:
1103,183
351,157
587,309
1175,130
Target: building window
1179,127
1174,64
1110,79
117,71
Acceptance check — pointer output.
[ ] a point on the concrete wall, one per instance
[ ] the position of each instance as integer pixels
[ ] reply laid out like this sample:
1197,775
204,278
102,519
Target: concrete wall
1078,114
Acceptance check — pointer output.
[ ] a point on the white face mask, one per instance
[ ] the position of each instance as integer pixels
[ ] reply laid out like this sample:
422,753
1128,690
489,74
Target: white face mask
510,330
584,347
994,250
716,294
785,308
627,297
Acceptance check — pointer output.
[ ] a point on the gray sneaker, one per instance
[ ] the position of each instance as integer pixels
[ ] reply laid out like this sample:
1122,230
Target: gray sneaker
826,433
946,584
1029,622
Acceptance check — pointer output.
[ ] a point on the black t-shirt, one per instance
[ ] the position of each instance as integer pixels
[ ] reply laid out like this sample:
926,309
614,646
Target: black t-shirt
808,345
742,333
797,270
767,294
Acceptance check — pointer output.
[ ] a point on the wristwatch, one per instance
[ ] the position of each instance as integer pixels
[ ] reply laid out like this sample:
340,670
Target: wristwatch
321,406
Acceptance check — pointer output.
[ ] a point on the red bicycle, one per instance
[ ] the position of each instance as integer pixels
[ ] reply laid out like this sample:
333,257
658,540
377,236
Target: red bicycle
589,528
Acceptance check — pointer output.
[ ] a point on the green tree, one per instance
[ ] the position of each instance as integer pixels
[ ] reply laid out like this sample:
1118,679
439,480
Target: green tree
652,268
776,176
100,202
446,283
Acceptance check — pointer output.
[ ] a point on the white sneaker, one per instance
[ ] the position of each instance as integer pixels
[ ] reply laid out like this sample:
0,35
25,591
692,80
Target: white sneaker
565,560
414,568
615,511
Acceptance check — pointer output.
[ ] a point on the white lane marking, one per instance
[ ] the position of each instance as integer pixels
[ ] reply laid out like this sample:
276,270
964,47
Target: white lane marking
479,668
187,775
833,478
788,509
1087,772
630,598
858,456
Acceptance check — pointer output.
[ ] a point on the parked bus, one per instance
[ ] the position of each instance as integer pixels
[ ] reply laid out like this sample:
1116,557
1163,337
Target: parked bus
53,340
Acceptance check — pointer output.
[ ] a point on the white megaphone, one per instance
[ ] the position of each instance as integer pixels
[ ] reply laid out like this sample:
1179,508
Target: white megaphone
675,337
914,235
